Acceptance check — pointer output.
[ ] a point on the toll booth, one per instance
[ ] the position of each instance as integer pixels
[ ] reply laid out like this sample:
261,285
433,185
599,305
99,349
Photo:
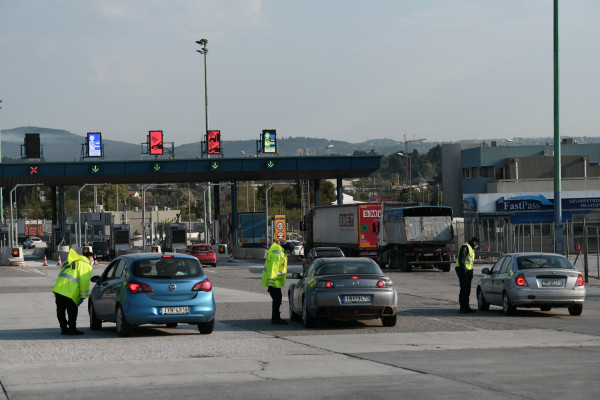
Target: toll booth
119,237
175,236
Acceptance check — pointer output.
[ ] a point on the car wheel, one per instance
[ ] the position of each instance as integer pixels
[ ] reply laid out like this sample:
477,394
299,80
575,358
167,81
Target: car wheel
214,265
307,319
545,308
95,323
482,305
389,321
123,327
172,325
446,267
206,328
507,306
576,309
293,315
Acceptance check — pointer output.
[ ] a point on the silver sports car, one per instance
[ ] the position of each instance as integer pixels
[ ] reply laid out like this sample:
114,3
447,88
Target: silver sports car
544,280
343,288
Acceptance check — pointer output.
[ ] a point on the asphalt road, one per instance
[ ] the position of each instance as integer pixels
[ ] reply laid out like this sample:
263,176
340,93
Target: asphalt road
433,352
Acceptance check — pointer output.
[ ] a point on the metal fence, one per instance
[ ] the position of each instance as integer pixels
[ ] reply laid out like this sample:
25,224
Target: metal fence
581,239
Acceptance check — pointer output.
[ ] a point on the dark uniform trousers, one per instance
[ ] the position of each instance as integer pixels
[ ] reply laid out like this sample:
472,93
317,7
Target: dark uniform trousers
465,277
65,304
277,297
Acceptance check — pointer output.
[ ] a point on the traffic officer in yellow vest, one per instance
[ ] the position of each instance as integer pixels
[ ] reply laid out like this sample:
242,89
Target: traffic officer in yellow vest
464,270
71,287
274,275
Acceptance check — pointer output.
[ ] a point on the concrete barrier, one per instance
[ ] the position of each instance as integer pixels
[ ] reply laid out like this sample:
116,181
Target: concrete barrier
252,253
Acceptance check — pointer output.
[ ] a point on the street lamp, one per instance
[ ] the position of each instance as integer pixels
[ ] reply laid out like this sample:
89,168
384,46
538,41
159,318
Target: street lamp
408,173
203,51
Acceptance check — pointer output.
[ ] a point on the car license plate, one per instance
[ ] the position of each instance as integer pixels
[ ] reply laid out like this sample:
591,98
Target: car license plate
356,299
552,282
174,310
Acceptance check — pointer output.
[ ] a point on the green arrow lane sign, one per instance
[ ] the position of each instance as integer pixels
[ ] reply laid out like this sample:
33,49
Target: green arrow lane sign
214,165
95,168
270,164
156,167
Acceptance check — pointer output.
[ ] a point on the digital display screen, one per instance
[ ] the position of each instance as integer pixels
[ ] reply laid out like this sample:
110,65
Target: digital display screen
121,237
156,142
179,236
269,141
213,140
94,141
32,145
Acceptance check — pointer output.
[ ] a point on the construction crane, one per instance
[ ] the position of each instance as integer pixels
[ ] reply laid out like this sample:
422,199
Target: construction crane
407,156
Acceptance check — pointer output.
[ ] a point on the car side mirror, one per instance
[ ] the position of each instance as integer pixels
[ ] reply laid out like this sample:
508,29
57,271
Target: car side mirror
485,271
95,279
296,275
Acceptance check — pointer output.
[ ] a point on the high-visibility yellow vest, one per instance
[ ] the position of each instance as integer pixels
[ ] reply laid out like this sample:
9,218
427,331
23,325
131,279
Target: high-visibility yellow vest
275,270
73,281
469,259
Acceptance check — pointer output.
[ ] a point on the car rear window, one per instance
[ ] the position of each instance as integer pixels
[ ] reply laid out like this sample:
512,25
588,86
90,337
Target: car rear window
329,253
202,248
348,268
167,268
543,261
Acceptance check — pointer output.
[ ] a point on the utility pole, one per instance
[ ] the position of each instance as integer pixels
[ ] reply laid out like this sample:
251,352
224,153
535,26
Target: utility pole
406,152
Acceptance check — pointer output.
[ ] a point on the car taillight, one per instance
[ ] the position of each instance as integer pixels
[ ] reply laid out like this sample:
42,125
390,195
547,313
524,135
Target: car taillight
204,286
325,284
384,283
580,281
138,287
520,280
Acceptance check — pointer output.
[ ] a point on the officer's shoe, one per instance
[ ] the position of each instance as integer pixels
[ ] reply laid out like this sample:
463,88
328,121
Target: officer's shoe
279,322
64,331
74,331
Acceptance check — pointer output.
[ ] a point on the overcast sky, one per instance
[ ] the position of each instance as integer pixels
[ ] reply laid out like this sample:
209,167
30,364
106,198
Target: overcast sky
351,70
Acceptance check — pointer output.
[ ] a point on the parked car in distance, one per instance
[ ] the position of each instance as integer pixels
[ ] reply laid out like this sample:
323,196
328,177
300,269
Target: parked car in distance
544,280
298,247
343,288
205,253
320,252
100,249
152,288
31,242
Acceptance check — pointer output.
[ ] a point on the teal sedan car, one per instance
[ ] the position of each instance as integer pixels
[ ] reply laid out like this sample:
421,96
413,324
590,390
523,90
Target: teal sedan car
152,288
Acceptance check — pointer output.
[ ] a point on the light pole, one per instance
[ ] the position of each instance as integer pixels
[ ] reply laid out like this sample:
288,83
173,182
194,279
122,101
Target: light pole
203,51
267,213
79,213
408,173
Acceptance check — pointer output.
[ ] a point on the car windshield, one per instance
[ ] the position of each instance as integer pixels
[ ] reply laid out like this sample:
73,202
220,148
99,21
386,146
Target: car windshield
543,261
337,268
329,253
166,268
202,248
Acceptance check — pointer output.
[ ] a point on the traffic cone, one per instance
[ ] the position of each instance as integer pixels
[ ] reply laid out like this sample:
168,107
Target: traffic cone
45,264
59,262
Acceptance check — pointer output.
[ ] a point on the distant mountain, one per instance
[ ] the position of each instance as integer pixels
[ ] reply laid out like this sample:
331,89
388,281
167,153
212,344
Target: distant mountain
60,145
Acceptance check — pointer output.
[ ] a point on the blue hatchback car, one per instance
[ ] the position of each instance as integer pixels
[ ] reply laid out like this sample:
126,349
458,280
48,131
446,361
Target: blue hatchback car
152,288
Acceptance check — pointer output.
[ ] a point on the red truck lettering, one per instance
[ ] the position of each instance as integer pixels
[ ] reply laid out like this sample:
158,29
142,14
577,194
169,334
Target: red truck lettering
346,220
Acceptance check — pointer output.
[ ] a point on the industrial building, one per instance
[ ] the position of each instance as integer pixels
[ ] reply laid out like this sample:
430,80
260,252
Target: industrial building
506,193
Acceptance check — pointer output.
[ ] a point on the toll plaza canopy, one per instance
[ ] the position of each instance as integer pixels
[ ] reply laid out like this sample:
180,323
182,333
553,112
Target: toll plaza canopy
161,170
